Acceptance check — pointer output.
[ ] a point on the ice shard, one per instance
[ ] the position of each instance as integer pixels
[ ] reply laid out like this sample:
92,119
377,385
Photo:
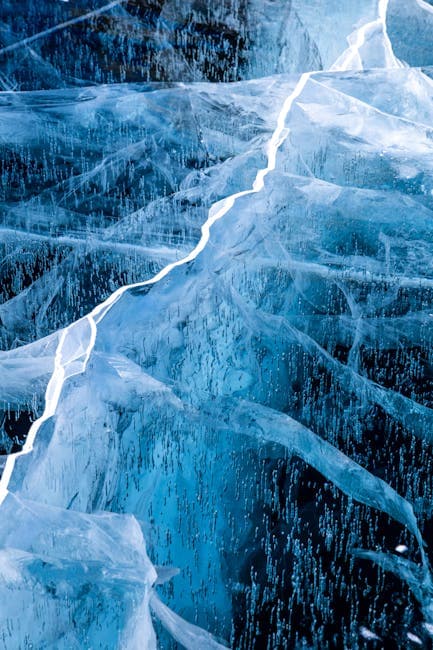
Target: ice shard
216,386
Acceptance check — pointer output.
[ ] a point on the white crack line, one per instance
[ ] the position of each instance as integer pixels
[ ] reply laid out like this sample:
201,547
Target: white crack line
425,5
67,23
77,363
67,364
347,60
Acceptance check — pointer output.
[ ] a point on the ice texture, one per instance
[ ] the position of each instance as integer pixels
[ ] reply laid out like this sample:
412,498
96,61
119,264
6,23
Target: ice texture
216,324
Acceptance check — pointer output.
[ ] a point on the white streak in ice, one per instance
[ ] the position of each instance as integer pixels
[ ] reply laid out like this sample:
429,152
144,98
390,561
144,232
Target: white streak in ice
429,628
351,57
414,638
59,26
368,634
190,636
356,41
425,5
383,9
63,363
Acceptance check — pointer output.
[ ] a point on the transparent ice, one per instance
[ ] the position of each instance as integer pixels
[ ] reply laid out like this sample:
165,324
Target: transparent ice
217,304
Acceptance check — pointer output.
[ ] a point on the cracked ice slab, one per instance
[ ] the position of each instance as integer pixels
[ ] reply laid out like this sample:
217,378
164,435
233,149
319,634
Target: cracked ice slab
298,300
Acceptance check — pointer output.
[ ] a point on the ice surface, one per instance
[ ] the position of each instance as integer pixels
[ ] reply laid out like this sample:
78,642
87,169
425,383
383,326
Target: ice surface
216,377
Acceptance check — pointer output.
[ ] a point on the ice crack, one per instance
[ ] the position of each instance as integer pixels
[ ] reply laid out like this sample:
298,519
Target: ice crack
351,59
67,23
74,361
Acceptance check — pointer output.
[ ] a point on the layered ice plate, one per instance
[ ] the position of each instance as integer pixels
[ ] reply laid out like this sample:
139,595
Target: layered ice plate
217,324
